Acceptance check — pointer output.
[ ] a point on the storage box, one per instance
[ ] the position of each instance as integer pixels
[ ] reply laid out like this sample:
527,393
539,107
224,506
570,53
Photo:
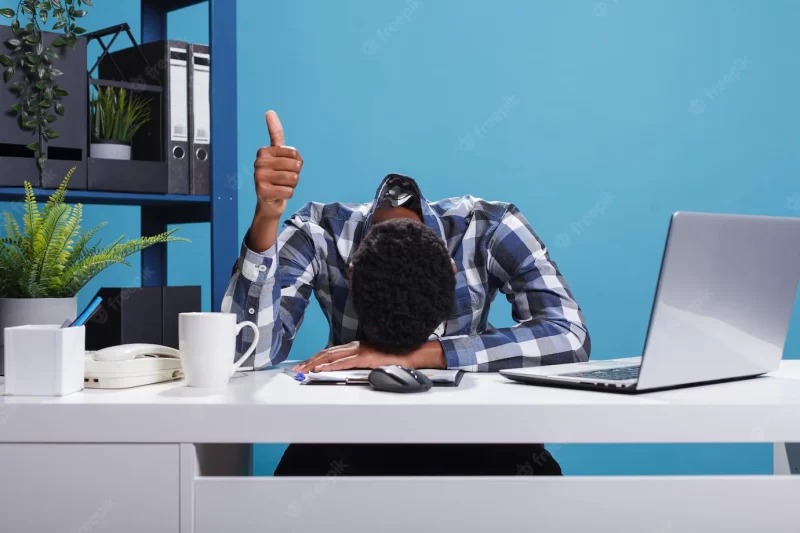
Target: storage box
44,360
69,150
140,315
126,315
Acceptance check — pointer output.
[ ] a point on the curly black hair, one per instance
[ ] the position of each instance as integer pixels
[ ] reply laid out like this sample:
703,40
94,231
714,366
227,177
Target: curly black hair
403,285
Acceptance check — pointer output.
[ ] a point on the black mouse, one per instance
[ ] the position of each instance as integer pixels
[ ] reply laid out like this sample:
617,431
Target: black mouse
394,378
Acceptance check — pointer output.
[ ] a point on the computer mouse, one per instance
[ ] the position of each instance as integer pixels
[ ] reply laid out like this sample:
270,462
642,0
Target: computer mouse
395,378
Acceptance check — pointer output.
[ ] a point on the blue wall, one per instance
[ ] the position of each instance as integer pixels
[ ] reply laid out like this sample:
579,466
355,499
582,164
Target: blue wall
597,118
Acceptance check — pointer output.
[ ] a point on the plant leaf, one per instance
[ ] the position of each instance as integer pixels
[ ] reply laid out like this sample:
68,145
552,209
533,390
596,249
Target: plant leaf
5,61
42,161
33,147
32,216
60,108
8,74
7,12
51,257
59,41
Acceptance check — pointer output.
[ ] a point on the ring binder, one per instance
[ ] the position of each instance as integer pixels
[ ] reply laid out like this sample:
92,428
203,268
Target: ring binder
199,119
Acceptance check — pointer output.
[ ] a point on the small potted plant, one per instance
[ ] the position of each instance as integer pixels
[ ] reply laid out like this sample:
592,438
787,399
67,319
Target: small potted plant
116,116
44,263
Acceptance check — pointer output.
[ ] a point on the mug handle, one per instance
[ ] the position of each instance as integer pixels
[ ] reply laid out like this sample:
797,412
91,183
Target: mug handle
239,327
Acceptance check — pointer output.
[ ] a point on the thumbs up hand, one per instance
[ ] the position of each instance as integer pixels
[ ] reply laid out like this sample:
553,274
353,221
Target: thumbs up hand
277,171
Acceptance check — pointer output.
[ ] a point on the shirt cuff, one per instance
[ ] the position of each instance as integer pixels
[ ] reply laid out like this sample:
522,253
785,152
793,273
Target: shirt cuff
459,352
258,267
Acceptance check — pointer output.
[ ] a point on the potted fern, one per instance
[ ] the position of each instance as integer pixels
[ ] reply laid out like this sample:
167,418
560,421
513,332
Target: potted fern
46,261
116,116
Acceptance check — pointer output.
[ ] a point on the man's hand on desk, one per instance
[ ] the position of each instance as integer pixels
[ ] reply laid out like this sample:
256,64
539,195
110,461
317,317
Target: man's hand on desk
359,355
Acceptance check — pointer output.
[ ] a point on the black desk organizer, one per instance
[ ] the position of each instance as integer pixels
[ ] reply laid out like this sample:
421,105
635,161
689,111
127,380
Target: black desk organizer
147,171
140,315
17,163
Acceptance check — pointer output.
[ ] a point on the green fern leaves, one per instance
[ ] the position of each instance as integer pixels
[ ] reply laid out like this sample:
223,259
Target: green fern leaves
49,257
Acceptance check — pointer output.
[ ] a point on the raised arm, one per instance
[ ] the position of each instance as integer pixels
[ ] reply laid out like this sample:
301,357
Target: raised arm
272,279
550,328
273,289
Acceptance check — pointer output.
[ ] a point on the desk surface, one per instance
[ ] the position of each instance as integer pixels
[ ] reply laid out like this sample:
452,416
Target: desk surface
269,406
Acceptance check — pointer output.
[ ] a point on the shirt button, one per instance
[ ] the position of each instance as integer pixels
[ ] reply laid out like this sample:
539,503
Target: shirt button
262,268
251,311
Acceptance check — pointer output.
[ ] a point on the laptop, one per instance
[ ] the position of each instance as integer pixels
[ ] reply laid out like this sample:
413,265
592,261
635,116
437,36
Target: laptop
721,311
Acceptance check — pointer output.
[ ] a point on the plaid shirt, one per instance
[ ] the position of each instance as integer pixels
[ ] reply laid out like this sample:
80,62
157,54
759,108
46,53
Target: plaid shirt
493,246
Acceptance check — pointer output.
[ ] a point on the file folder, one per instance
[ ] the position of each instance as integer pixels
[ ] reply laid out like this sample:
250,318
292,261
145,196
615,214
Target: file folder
166,136
199,119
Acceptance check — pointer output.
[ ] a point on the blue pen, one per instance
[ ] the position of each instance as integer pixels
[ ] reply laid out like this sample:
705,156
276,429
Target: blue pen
87,313
297,376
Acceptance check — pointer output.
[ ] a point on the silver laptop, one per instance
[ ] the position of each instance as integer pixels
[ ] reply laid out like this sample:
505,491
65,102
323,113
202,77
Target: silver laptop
721,311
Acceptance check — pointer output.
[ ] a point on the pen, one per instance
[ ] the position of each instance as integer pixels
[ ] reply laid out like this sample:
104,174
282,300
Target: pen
87,313
297,376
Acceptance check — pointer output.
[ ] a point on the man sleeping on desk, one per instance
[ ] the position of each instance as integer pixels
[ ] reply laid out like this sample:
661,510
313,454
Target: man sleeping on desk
401,281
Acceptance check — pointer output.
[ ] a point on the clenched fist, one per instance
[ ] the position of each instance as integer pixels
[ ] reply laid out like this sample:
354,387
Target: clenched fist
277,171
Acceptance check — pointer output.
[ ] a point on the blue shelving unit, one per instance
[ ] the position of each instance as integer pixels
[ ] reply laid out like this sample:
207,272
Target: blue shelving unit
220,207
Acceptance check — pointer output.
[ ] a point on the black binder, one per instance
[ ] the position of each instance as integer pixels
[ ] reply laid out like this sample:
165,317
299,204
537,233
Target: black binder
167,139
199,119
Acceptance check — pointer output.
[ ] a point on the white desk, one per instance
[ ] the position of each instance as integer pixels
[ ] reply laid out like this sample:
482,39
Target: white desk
136,460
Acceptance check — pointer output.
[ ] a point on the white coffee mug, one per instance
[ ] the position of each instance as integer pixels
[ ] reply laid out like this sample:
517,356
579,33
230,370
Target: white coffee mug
208,347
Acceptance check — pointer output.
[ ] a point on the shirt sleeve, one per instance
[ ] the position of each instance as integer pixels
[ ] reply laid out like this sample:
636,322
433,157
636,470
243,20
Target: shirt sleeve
273,293
549,328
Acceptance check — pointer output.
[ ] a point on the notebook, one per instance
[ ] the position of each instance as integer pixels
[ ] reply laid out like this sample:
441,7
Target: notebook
446,378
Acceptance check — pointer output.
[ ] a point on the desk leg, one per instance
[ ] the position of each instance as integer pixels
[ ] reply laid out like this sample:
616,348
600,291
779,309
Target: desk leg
206,460
786,458
225,459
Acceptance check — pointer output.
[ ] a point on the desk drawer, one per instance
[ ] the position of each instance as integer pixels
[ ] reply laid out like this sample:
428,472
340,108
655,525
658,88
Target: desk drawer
500,504
102,488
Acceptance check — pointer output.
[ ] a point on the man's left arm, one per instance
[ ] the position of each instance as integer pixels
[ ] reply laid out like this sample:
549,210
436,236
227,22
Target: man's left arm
550,327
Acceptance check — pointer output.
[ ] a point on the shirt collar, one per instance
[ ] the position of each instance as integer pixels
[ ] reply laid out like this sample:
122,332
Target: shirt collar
429,217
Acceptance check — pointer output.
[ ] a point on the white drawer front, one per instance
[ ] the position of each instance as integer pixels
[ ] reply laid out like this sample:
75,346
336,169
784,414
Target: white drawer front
81,488
487,505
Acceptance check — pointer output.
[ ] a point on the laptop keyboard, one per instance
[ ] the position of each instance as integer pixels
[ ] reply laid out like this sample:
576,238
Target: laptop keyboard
612,374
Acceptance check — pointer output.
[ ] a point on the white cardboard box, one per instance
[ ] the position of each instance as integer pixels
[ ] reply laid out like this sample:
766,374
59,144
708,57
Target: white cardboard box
44,360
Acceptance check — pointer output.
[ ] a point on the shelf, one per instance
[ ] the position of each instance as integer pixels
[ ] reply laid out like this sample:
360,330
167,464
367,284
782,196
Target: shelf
165,6
10,194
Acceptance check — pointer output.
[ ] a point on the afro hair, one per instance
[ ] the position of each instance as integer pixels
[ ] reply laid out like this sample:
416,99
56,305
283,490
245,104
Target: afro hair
403,285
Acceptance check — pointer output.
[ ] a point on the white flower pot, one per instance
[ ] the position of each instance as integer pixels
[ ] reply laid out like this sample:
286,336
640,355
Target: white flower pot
111,150
34,311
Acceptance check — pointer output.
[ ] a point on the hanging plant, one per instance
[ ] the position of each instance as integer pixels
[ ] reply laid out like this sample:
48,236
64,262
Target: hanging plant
38,95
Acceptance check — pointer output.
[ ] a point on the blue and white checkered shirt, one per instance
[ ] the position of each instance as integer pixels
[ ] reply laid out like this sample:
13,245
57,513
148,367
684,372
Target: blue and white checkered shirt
493,246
